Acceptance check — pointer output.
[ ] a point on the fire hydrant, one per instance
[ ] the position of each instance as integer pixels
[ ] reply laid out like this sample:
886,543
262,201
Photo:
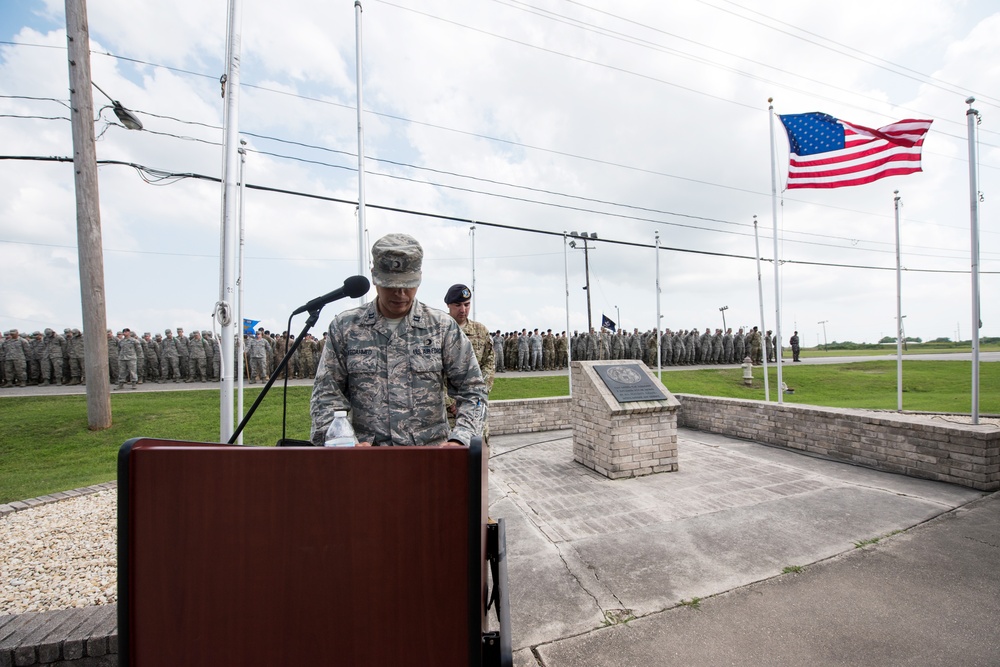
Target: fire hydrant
748,372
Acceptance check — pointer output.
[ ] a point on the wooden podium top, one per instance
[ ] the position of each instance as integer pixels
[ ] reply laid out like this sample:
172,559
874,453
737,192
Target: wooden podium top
278,556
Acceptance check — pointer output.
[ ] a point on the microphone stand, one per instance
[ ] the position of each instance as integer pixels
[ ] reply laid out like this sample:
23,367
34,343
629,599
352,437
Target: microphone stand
310,323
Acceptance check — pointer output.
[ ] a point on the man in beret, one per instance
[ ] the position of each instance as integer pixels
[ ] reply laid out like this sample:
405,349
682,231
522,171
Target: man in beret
392,361
459,302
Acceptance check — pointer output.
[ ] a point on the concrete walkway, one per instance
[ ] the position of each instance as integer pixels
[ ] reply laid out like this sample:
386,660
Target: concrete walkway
746,556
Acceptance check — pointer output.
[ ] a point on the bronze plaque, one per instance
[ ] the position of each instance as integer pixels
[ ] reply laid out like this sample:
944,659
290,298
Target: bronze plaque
630,382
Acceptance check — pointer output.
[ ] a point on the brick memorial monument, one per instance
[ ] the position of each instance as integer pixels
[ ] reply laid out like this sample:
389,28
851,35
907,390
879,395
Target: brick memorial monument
624,420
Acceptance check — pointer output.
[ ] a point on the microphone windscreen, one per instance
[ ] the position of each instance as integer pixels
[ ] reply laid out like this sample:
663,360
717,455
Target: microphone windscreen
356,286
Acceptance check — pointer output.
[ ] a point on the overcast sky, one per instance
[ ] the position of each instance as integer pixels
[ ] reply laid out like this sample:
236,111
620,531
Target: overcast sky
621,118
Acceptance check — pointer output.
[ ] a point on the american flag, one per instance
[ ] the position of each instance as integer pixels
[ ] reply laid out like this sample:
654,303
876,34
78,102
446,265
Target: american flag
831,153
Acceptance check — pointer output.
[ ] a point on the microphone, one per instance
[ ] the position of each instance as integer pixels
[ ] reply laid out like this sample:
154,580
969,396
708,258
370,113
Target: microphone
354,287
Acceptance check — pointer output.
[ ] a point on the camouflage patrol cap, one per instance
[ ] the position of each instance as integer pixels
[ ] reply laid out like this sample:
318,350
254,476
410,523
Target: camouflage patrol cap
77,332
49,331
168,331
396,261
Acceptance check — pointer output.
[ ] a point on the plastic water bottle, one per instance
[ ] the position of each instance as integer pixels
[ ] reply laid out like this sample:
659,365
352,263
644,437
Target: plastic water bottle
340,433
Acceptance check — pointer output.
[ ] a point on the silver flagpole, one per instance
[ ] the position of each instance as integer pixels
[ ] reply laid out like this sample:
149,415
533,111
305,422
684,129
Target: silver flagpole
569,347
239,337
899,315
362,253
972,116
659,361
224,307
777,279
760,301
472,233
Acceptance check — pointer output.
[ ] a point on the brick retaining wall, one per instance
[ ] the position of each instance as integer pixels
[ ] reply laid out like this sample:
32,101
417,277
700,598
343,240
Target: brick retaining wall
529,415
962,454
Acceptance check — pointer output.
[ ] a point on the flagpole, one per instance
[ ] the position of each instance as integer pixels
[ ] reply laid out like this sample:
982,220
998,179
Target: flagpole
362,254
239,337
972,116
899,314
569,347
760,302
659,360
472,235
777,278
224,307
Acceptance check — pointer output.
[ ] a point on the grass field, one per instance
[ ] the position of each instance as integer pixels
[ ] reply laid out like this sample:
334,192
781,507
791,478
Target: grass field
45,445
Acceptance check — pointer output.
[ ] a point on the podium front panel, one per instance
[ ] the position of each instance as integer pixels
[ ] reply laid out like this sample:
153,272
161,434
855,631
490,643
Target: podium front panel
279,556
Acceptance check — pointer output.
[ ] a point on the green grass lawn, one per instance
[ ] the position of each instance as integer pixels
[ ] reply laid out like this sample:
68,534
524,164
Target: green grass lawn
45,445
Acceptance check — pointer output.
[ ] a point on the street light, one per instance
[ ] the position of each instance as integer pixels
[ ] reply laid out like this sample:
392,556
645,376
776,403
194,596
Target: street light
585,236
127,118
823,322
618,322
723,311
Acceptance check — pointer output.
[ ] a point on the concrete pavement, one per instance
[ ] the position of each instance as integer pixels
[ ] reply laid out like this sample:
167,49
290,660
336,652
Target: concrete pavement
746,556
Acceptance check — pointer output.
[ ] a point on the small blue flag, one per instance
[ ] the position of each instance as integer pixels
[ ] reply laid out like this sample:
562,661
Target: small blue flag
248,326
608,323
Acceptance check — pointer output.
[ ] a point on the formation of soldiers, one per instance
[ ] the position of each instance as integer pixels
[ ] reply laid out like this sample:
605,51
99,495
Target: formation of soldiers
536,351
48,357
51,358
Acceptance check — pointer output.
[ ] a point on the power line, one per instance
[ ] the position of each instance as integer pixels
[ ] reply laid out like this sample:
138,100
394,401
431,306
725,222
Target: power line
496,225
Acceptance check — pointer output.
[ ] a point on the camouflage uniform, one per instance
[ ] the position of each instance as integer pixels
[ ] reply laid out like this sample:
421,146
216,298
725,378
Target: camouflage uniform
562,351
535,344
74,350
199,357
482,346
169,358
393,374
35,360
152,358
15,359
129,350
498,353
52,358
113,357
257,351
727,347
183,353
394,382
739,347
548,351
523,352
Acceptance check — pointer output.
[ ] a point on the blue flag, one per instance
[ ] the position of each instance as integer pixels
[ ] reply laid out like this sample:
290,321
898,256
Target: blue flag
248,326
608,323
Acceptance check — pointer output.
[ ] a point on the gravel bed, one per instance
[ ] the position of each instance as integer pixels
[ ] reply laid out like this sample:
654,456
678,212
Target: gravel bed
60,555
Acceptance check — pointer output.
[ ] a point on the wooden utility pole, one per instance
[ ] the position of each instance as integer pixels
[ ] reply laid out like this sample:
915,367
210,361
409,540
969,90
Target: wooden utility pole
88,218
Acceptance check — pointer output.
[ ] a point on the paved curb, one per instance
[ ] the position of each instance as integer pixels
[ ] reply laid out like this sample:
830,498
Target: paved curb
19,505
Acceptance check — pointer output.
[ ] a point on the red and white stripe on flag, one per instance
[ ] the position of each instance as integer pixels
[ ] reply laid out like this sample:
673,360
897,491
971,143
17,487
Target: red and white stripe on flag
868,155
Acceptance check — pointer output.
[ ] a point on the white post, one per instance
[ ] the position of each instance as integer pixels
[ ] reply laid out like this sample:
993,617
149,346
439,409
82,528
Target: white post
362,252
238,339
899,314
659,361
777,279
472,234
224,308
760,301
569,346
972,116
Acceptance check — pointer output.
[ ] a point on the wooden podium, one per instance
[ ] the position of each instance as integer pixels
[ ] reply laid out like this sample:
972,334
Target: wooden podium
232,555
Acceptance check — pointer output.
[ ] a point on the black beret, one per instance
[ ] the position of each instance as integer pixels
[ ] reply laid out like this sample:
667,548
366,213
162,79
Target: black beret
457,294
